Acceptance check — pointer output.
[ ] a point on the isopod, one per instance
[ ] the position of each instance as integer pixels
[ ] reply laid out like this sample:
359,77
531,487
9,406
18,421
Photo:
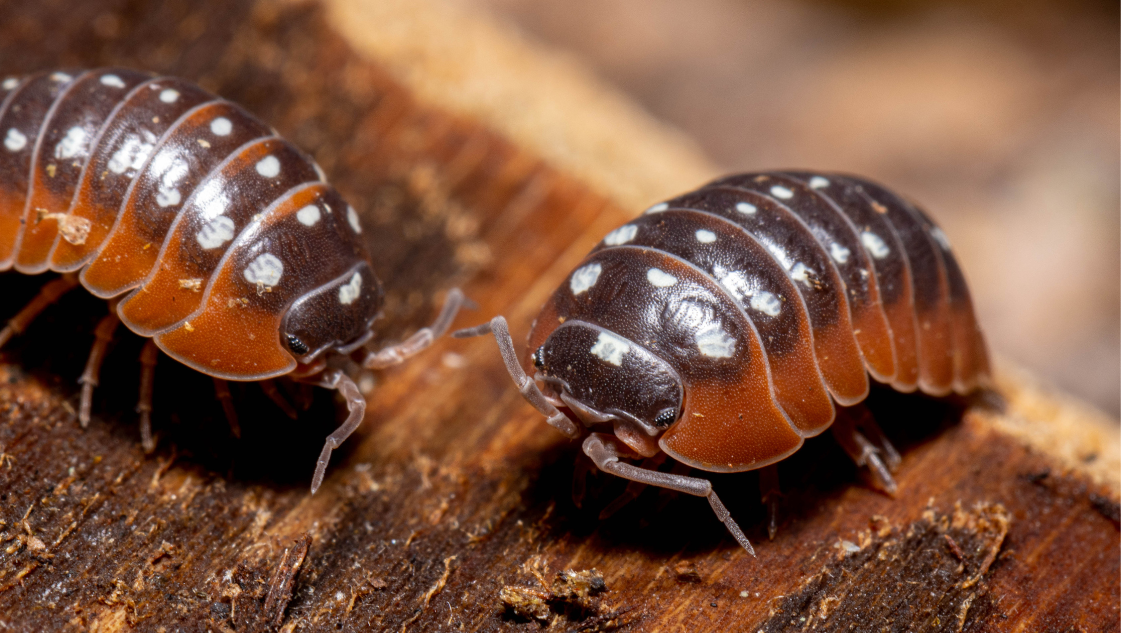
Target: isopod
720,327
209,234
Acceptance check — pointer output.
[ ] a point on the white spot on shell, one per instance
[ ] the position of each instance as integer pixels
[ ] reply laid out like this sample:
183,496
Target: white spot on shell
169,95
705,237
875,244
265,270
216,232
15,140
71,144
60,77
801,272
610,348
714,342
269,167
940,237
221,126
349,291
746,208
352,218
660,278
839,253
817,182
658,208
168,197
308,216
112,81
621,235
9,83
767,303
132,154
585,278
779,191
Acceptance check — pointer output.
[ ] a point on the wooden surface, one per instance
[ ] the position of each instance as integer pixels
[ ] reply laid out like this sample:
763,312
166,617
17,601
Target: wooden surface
454,493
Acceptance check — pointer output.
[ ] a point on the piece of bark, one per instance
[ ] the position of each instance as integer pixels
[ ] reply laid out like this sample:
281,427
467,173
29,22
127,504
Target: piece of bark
454,488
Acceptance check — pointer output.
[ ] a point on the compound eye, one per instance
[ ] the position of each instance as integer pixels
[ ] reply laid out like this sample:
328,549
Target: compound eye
665,418
539,358
297,346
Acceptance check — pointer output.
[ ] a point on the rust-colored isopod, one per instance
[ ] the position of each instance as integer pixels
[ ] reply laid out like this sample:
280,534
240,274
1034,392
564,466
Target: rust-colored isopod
720,327
208,232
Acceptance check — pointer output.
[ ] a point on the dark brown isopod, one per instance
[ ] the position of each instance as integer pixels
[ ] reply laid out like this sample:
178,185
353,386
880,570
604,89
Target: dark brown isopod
208,232
720,327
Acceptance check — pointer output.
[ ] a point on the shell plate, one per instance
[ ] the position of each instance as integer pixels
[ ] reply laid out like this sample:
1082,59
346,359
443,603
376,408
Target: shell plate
224,239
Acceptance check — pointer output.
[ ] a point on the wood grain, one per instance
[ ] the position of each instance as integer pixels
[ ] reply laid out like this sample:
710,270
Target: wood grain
1007,516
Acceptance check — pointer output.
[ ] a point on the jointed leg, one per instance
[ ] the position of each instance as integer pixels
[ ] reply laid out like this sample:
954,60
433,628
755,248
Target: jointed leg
633,489
526,385
355,403
420,339
604,451
103,334
222,390
769,490
269,387
148,357
863,452
48,294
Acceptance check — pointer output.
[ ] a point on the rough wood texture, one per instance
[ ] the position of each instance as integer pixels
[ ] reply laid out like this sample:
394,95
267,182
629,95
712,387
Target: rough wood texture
1007,516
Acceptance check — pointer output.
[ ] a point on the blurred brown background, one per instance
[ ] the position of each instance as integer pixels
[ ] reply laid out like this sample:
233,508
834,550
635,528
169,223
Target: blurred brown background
1001,118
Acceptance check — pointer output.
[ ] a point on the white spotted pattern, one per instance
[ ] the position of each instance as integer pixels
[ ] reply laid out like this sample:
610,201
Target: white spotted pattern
71,144
60,77
705,237
132,153
15,140
779,191
266,270
767,303
269,167
352,219
112,81
10,82
817,182
801,272
169,95
658,208
746,208
839,253
584,278
621,235
875,244
349,291
308,216
216,232
221,126
660,278
610,348
714,342
168,197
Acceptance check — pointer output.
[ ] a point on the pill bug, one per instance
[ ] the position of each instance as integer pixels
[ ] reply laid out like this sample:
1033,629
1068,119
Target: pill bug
721,326
208,233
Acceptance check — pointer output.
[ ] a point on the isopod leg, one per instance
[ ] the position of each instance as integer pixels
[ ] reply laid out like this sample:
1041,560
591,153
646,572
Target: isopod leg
847,431
769,490
48,294
148,357
269,387
222,391
605,451
103,335
356,405
421,339
528,388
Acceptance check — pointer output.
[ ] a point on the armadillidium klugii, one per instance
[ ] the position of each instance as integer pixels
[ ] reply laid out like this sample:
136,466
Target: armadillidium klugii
719,328
209,233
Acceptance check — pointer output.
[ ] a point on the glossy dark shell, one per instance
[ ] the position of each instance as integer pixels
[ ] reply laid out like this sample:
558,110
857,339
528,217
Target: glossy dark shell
212,224
773,295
